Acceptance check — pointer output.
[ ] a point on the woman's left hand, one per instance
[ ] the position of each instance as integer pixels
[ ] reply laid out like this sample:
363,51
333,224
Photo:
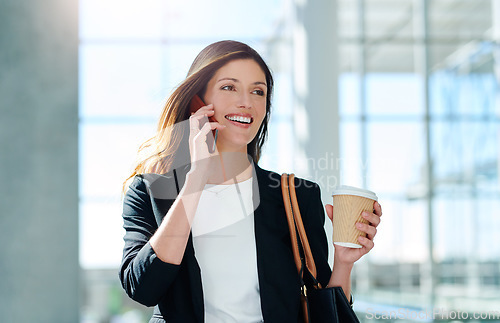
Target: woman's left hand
350,255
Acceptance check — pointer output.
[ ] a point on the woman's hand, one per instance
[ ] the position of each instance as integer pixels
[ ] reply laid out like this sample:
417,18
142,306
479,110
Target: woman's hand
199,129
347,256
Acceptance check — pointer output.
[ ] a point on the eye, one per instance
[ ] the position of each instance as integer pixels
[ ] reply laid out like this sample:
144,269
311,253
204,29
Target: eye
259,92
227,88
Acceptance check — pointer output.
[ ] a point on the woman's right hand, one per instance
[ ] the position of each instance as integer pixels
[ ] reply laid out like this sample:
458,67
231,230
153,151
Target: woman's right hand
199,129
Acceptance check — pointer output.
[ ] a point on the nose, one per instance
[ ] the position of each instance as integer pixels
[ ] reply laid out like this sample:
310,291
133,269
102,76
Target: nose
245,101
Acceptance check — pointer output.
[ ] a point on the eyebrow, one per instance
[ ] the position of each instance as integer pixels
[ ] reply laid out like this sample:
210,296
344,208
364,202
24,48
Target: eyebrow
237,81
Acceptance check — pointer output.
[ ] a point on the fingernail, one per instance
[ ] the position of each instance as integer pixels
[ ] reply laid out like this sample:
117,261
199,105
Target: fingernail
365,214
359,225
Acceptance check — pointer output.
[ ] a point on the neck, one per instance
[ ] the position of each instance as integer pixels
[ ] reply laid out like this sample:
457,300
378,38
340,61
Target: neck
233,166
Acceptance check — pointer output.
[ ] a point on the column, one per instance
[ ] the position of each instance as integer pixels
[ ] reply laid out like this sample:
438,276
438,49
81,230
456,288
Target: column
39,161
316,118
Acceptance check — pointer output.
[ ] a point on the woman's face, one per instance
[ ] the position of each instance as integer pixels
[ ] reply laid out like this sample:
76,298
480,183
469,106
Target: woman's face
238,91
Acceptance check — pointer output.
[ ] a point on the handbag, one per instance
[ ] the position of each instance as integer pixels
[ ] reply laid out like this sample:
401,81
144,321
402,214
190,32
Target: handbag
318,304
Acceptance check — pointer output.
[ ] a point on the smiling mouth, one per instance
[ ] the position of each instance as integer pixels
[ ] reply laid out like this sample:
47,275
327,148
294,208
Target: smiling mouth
240,119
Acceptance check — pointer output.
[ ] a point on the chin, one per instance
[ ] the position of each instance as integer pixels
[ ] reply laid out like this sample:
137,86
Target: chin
236,143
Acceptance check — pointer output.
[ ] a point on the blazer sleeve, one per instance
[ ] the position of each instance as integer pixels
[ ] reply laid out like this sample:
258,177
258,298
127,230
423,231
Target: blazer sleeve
313,218
143,275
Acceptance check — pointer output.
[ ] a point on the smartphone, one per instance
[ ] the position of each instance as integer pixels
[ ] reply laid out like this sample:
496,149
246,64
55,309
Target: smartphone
195,104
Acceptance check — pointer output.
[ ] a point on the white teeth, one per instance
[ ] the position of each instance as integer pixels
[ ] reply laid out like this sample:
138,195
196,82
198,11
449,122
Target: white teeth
239,119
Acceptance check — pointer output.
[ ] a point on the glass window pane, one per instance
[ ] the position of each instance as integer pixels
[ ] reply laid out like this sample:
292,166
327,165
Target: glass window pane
487,239
352,168
278,151
122,80
402,235
394,94
466,154
349,94
101,234
176,63
396,159
181,20
130,80
122,19
199,19
107,154
282,104
464,228
463,95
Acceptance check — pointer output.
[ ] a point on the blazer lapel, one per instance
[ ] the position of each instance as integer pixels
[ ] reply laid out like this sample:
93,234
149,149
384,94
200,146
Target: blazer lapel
278,277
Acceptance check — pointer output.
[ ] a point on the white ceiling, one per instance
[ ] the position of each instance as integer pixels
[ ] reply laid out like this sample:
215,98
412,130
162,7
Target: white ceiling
393,32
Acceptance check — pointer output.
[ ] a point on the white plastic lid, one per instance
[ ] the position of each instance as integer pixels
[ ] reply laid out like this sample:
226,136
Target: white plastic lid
351,190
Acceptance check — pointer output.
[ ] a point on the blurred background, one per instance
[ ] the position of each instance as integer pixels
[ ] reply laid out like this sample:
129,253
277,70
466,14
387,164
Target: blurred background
397,96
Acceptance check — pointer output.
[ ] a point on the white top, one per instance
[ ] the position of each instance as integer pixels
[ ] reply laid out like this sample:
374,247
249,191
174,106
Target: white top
224,243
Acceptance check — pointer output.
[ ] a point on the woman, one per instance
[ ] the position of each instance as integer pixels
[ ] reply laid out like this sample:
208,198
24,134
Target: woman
206,233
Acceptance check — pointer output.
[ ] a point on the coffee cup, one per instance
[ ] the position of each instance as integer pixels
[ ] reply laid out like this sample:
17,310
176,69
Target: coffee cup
348,205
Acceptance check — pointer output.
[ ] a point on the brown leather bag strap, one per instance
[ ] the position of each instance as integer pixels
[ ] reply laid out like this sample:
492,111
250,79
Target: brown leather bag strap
295,224
291,222
310,264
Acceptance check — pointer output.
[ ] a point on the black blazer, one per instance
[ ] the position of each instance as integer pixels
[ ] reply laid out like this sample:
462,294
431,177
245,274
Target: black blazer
176,290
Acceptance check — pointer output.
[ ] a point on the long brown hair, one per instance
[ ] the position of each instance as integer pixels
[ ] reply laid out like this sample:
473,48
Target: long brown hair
161,152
